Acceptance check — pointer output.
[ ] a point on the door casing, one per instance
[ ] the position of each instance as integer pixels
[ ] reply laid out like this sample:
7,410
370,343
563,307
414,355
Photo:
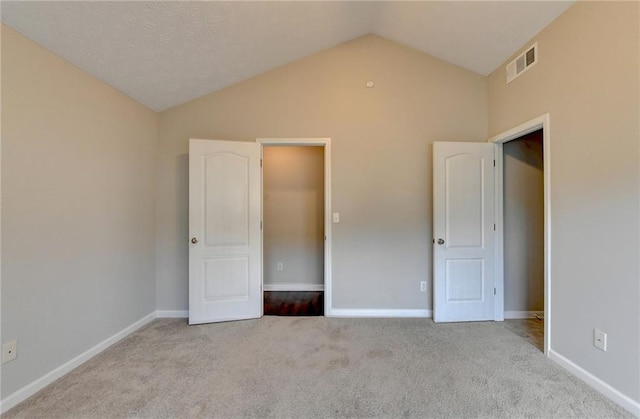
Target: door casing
541,122
326,144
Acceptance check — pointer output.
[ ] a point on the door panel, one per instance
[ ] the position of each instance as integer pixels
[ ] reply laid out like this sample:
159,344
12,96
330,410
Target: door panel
225,278
226,191
464,200
463,231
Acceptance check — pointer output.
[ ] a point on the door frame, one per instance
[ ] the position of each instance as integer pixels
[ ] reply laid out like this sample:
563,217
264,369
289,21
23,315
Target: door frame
309,142
541,122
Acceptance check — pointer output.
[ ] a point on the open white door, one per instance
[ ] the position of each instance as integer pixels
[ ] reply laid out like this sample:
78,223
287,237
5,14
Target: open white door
463,228
225,279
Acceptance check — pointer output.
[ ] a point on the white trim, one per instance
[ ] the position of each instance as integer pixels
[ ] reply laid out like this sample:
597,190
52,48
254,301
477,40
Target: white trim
37,385
624,401
543,122
523,314
376,313
172,314
522,129
499,241
1,335
293,287
301,142
326,143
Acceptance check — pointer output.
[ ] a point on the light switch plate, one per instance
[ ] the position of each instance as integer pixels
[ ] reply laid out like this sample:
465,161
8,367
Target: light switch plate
336,217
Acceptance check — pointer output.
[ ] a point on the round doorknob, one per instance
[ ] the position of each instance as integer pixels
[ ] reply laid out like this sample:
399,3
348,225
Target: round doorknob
194,240
440,241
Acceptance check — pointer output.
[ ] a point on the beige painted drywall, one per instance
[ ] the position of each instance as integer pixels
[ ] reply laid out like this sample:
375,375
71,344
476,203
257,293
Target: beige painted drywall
293,214
381,159
78,161
1,205
524,224
587,79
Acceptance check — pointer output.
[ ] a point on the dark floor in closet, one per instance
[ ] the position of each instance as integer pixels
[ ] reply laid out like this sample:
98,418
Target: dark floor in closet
294,303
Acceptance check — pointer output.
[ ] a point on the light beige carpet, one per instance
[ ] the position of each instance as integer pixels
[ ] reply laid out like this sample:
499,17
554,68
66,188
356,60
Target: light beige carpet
289,367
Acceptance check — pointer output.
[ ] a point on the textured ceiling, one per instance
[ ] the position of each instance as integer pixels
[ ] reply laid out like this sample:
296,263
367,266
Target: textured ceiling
163,54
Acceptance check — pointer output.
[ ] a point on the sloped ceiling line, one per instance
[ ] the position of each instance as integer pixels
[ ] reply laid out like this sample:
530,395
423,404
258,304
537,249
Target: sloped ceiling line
163,54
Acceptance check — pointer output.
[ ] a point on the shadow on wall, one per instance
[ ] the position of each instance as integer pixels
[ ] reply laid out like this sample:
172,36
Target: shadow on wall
524,224
182,208
293,211
527,149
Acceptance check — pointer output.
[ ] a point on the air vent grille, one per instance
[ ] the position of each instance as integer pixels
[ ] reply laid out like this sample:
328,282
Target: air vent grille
522,62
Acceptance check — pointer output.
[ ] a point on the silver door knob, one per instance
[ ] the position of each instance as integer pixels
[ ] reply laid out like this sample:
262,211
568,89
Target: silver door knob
440,241
194,240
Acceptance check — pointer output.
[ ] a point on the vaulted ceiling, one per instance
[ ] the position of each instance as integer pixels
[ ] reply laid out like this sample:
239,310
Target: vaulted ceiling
163,54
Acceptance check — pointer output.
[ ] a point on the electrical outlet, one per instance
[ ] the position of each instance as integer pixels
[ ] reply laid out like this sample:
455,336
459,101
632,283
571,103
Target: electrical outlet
423,286
600,339
280,267
9,351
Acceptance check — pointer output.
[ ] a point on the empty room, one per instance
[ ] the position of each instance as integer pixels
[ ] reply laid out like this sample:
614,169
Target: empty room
322,209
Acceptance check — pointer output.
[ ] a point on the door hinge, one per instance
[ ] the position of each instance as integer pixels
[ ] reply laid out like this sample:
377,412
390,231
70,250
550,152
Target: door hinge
494,227
494,162
261,163
260,225
494,291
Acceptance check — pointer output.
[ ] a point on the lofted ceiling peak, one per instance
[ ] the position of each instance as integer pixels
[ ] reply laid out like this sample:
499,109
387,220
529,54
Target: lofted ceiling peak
163,54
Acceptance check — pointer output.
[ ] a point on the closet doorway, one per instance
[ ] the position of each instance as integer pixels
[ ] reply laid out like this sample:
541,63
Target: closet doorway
542,125
523,191
294,214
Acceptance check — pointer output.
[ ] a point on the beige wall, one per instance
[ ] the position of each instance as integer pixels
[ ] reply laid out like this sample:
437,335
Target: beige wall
78,173
381,159
524,224
587,79
78,163
293,214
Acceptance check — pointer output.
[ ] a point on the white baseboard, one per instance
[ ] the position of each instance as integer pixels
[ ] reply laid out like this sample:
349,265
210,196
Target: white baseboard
358,312
605,389
172,314
293,287
523,314
37,385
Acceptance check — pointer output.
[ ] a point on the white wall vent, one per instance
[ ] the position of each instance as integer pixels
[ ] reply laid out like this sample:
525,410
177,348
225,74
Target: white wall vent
522,62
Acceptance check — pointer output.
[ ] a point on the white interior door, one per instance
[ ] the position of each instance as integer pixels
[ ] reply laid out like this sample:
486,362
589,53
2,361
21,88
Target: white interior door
225,277
463,225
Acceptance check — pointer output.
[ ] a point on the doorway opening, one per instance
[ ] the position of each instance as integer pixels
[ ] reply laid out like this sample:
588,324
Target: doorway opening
294,228
523,212
523,231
